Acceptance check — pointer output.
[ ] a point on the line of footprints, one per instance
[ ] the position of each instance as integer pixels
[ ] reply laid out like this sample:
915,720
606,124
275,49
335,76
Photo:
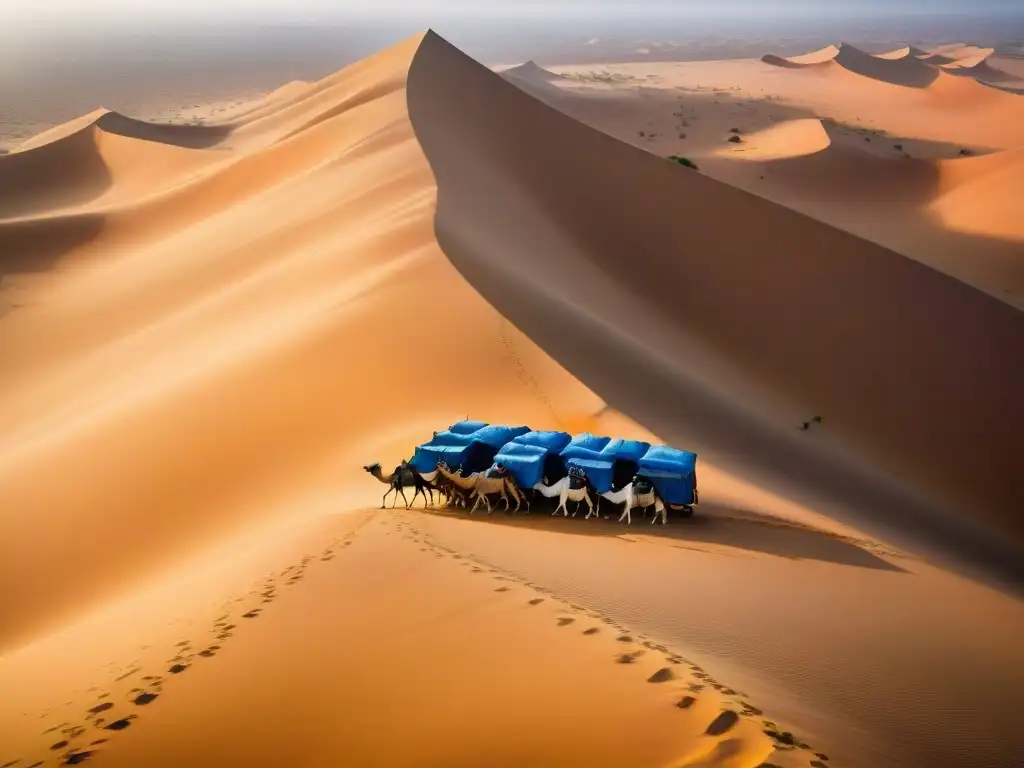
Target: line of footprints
73,744
634,646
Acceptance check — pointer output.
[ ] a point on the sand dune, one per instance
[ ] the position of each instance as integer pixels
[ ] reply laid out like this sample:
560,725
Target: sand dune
876,433
792,138
934,210
896,53
532,71
218,325
821,56
907,66
907,71
895,67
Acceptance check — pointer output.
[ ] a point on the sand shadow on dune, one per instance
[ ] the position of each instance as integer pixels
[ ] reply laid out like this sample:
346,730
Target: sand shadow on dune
38,245
66,172
865,175
712,525
185,136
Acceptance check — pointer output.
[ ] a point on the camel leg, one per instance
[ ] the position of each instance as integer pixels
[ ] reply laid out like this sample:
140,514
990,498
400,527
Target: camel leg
476,503
401,491
386,494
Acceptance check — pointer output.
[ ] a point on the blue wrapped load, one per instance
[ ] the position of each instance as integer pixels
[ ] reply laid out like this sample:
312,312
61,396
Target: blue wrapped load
606,462
673,472
466,445
528,457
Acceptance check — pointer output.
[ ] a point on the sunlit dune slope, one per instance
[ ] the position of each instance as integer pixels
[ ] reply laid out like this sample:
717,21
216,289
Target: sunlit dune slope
821,56
705,293
236,346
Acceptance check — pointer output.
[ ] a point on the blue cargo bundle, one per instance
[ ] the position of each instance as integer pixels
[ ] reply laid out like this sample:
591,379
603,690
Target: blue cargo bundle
532,456
673,472
466,445
607,462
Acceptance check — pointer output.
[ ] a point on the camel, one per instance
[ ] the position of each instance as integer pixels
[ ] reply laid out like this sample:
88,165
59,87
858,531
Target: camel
480,486
639,492
517,493
403,477
573,487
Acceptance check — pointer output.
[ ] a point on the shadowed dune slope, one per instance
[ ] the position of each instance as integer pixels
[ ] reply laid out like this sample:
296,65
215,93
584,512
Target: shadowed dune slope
112,152
739,333
905,71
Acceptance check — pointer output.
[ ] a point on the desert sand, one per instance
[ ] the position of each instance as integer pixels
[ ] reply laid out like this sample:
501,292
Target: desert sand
209,326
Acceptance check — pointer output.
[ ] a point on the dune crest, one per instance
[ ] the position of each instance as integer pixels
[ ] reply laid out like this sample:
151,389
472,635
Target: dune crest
810,59
791,138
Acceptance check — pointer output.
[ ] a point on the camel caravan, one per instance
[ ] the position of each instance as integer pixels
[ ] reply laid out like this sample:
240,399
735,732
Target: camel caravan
474,464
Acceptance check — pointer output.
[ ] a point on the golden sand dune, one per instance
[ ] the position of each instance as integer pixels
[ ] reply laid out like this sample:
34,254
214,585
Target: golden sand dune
111,156
218,326
896,53
952,214
791,138
812,58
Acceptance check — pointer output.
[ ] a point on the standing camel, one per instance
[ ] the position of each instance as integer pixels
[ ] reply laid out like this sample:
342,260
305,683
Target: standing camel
639,492
480,486
403,477
573,487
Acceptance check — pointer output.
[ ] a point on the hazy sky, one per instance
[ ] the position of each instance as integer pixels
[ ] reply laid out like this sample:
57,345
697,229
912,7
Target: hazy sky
104,12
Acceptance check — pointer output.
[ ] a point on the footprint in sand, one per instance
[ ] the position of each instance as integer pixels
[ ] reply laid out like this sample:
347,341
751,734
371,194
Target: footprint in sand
144,698
178,669
502,589
537,601
564,622
686,702
120,725
591,631
77,757
663,675
251,614
722,724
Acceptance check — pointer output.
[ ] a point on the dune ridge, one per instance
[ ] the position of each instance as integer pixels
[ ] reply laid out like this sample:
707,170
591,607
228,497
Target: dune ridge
907,66
722,346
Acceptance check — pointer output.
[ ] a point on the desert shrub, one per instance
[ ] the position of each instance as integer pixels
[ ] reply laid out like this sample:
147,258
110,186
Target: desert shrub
684,161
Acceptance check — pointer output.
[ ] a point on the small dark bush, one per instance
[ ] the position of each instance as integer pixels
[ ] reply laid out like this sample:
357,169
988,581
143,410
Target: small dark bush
684,161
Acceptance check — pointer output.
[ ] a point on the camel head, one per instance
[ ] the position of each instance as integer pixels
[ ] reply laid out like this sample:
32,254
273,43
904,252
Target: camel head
372,467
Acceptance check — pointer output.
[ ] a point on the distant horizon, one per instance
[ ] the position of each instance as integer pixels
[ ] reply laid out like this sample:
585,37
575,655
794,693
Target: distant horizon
58,73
